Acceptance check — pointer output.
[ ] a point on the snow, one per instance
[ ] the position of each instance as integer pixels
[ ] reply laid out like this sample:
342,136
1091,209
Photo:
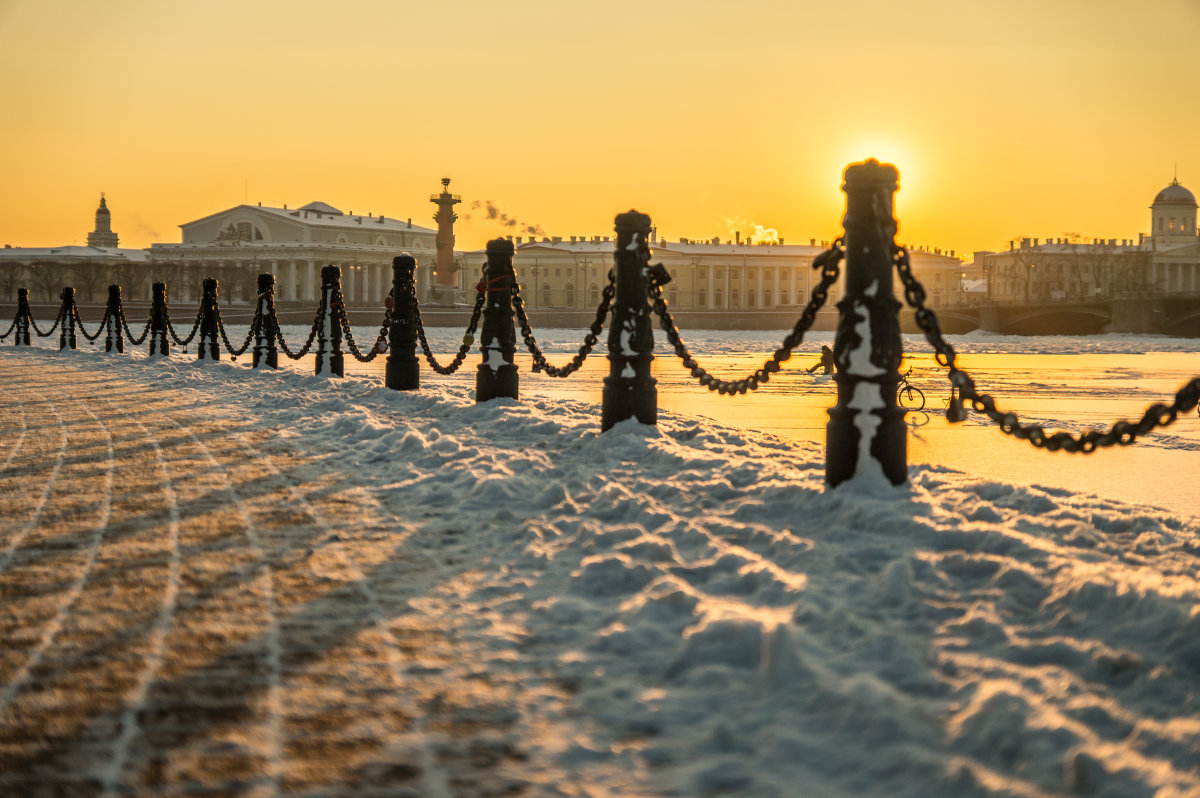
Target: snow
686,610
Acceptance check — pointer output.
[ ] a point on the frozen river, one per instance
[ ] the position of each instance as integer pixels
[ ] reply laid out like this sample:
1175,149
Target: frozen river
1063,382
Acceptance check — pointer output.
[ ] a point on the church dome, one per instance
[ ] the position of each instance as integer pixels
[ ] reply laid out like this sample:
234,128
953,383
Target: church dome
1175,194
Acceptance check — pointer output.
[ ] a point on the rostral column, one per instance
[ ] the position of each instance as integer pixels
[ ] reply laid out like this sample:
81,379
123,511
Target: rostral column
445,217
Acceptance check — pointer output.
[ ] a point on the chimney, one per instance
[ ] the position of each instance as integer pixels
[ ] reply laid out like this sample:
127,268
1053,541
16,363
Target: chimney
518,239
572,239
812,242
737,237
781,242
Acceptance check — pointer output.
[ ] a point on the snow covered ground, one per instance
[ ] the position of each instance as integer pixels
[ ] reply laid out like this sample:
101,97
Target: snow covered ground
686,610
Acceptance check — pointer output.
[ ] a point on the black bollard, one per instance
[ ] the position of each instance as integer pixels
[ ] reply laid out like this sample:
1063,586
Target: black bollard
265,355
24,318
160,343
330,360
497,374
209,347
113,337
66,331
866,423
403,372
629,390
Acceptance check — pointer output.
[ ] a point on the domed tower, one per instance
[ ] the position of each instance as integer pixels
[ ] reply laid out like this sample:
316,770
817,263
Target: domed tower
1173,215
103,236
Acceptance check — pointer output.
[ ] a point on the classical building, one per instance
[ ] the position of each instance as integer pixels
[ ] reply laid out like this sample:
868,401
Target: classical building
89,269
237,244
1165,262
706,275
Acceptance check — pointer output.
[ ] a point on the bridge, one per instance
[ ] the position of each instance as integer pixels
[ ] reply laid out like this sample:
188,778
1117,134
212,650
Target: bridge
1179,315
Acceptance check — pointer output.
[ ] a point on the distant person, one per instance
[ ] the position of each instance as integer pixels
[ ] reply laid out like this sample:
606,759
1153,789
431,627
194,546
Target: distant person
825,362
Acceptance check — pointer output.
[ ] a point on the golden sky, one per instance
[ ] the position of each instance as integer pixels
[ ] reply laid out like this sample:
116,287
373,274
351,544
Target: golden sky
1005,119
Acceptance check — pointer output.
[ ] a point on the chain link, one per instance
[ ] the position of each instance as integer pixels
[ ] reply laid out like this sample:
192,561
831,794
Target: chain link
57,320
195,326
1121,433
11,327
249,333
468,336
129,335
589,341
312,333
84,332
828,262
348,335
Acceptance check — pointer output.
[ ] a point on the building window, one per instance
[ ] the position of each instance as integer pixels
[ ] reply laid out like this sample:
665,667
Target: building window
593,294
735,299
546,294
701,297
672,296
767,298
717,297
569,295
749,299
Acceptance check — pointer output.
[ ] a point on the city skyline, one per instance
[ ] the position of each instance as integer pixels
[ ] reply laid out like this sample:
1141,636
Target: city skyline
1021,121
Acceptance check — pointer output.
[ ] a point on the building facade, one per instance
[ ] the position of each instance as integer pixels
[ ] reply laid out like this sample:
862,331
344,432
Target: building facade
705,275
1165,262
237,244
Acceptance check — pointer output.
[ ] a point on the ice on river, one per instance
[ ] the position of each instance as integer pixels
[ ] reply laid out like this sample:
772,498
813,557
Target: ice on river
689,611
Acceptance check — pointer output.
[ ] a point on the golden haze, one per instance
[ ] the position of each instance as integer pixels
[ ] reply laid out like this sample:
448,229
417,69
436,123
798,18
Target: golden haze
1005,119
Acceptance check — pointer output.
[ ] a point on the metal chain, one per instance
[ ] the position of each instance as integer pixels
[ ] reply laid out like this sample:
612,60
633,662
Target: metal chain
312,334
348,335
1122,433
11,327
128,334
84,332
57,320
827,262
468,336
192,334
249,334
589,341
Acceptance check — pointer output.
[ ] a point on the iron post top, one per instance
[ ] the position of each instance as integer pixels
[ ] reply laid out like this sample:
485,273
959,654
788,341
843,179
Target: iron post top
632,220
405,261
500,246
331,271
266,278
871,172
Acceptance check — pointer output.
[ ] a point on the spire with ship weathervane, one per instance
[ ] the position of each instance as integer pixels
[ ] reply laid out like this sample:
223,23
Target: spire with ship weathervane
102,236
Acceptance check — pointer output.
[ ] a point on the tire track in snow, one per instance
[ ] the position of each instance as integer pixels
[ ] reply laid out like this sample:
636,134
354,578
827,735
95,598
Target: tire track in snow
272,637
52,627
60,457
433,781
16,445
110,776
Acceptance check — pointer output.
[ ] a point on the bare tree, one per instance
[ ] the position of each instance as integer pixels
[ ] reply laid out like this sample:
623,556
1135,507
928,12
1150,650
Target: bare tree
12,277
134,279
49,278
90,280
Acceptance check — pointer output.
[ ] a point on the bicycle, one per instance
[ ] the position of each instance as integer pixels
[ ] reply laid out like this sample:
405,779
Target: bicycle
909,396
